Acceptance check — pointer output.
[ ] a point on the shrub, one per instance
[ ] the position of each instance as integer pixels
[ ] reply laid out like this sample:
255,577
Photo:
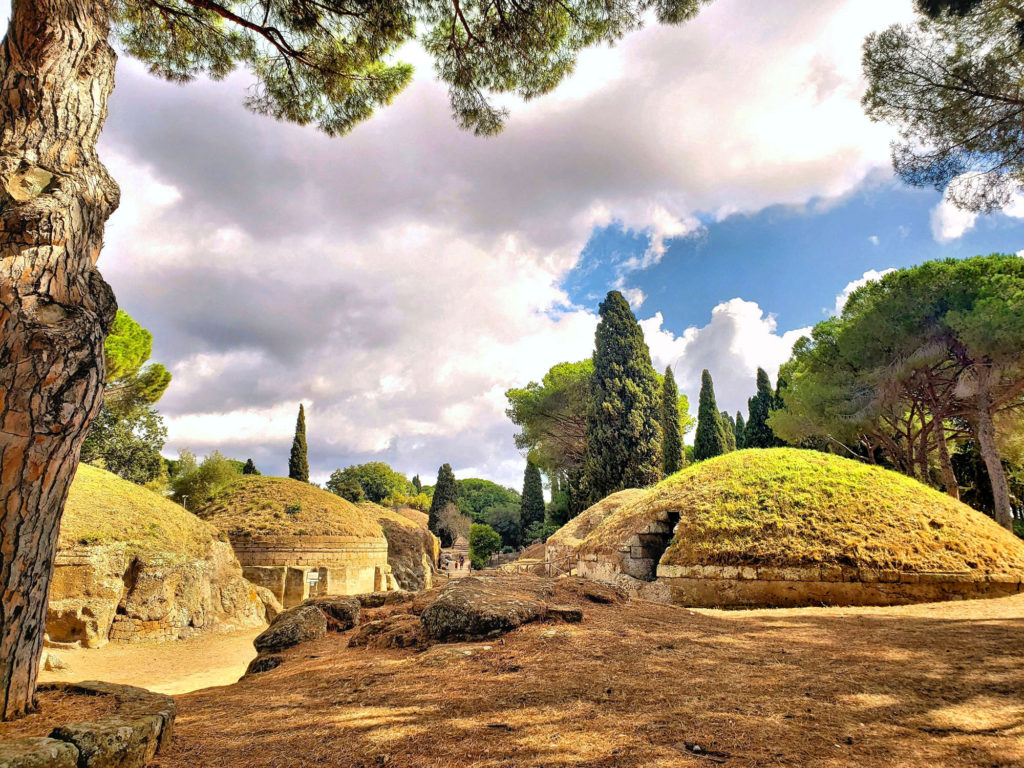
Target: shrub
484,541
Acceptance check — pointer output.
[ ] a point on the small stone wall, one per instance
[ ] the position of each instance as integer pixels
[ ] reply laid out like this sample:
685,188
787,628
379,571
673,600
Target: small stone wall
345,565
637,558
723,586
129,737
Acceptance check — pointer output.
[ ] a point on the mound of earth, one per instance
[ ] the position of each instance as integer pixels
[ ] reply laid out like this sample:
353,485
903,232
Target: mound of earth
256,505
132,565
560,548
412,548
786,527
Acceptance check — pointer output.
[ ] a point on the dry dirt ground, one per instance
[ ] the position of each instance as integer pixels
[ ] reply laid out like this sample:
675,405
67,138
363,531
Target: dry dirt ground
643,684
177,667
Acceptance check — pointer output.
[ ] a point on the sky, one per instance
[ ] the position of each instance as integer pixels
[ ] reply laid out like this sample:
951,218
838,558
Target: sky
399,279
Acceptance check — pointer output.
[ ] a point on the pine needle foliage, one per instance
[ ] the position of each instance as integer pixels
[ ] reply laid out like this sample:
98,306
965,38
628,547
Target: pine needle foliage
623,417
298,463
532,506
710,439
672,437
446,493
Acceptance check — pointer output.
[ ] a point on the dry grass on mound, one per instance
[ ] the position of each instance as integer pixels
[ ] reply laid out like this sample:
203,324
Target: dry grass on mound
404,534
641,684
104,509
573,533
789,508
256,505
533,552
420,518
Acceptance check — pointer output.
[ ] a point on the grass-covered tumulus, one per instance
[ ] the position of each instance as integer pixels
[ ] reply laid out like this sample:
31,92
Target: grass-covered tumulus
104,509
255,505
791,508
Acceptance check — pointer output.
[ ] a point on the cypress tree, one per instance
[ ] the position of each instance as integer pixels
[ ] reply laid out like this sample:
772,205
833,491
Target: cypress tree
445,492
740,431
758,433
531,509
709,440
672,438
298,465
250,468
623,429
417,484
728,431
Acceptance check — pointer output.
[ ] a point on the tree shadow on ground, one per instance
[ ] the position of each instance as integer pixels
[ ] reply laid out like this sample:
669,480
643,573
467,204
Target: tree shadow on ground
642,684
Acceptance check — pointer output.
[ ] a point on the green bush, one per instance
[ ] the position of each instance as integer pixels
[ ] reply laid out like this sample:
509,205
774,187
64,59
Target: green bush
484,541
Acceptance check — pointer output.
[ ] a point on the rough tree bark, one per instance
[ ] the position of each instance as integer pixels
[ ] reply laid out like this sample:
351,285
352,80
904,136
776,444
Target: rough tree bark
56,72
985,430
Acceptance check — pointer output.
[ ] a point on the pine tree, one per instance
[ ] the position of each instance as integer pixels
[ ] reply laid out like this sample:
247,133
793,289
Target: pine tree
757,433
623,429
446,492
740,432
531,509
728,431
709,440
417,484
672,438
298,465
250,468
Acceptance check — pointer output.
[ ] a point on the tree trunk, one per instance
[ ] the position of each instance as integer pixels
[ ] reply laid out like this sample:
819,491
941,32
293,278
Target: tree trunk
56,72
946,463
986,433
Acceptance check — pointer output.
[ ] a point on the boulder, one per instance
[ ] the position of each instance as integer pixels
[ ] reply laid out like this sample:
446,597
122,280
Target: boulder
298,625
378,599
402,630
476,607
263,664
342,613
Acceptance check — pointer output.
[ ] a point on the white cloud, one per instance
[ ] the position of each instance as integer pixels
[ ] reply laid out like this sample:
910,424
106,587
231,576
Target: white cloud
739,339
870,276
873,239
948,222
399,278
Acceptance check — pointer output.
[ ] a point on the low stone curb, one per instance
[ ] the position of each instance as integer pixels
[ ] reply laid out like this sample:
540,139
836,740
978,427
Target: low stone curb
127,738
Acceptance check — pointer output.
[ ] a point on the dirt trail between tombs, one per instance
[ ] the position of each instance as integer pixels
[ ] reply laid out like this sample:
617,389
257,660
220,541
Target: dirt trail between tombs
175,667
642,684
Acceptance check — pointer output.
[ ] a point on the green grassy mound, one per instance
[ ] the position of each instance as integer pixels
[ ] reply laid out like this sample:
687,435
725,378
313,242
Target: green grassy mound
104,509
790,508
255,505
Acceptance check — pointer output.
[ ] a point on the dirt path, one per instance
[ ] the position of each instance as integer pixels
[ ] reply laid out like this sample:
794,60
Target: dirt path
646,685
178,667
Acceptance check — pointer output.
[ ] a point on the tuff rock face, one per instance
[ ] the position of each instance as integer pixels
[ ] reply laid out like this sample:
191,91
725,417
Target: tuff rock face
103,592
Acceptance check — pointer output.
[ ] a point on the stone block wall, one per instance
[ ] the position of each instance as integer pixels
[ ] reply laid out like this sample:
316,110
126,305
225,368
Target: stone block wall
712,586
345,565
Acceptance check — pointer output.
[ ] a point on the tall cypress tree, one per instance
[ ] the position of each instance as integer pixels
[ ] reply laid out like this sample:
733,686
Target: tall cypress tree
531,509
740,431
298,465
250,468
445,492
709,440
417,484
728,431
623,429
758,433
672,438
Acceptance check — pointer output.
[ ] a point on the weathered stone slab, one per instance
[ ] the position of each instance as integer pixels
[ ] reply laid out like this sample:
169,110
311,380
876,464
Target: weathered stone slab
38,753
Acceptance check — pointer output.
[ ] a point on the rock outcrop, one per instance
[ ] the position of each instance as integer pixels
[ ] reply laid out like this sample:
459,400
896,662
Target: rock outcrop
412,548
131,566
